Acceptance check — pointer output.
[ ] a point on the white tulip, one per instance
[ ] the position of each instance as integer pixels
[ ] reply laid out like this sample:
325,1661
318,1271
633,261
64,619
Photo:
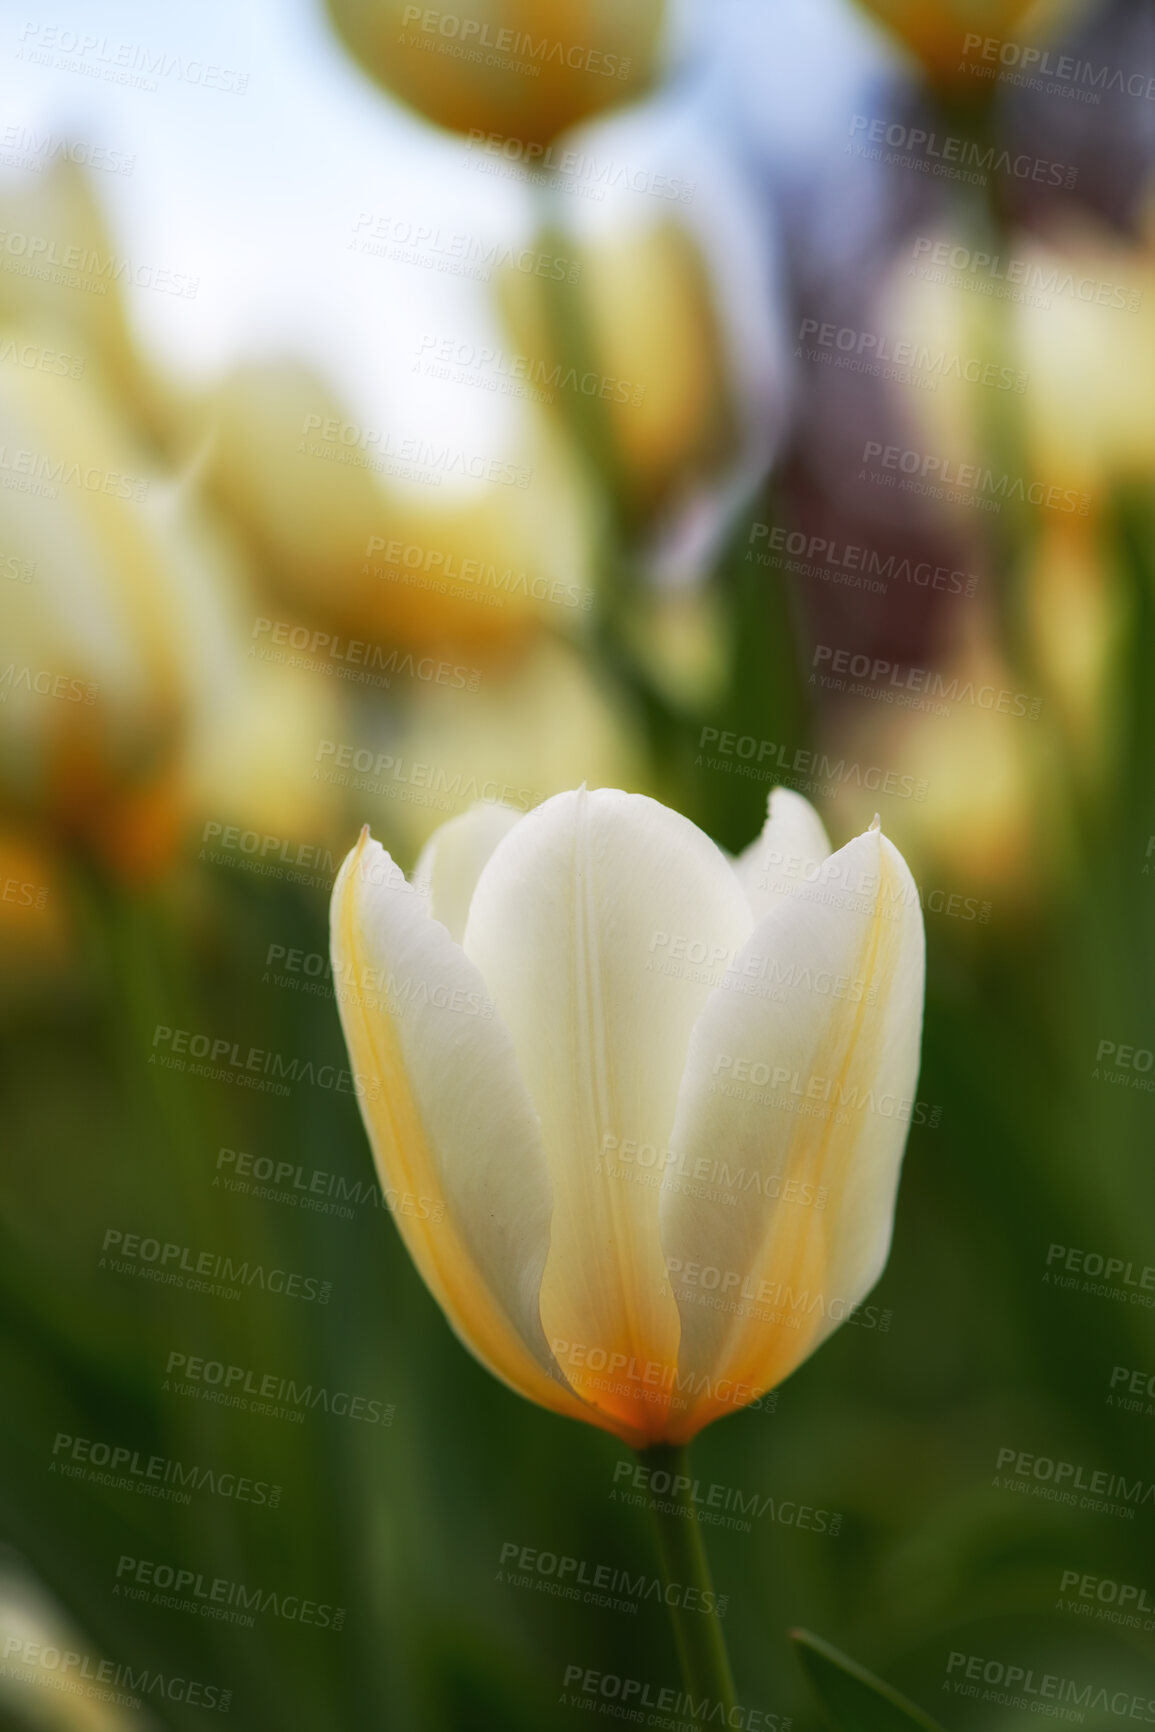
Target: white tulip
640,1110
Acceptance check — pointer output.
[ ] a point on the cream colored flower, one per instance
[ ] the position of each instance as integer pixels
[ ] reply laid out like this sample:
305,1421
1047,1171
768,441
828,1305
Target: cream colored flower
652,1104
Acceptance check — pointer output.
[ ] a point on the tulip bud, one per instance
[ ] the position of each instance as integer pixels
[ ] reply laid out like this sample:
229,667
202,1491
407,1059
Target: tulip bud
523,70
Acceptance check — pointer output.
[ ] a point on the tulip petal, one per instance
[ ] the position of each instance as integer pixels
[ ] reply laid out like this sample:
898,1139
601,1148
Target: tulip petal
777,1209
790,850
451,861
586,925
452,1129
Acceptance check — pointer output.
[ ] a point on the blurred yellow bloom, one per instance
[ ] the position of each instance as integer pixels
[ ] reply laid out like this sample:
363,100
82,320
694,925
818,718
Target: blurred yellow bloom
527,69
43,1651
681,638
126,631
944,35
1076,620
251,763
61,284
100,636
1068,355
1090,358
657,366
342,539
986,824
572,1093
34,929
526,732
1056,363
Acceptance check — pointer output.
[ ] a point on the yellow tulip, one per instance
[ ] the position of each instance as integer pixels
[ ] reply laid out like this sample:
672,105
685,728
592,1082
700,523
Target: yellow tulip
525,68
659,1151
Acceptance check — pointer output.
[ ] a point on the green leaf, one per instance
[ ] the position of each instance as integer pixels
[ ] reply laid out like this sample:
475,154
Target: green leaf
854,1698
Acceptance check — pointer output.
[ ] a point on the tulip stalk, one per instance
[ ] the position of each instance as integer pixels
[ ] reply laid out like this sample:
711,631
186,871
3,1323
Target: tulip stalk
682,1553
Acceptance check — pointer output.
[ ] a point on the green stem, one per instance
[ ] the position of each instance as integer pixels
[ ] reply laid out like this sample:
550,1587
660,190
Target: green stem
697,1631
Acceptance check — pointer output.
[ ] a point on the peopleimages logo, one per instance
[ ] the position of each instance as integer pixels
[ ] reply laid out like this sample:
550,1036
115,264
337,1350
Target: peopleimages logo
587,1686
212,1596
267,1393
226,1060
531,53
105,1680
574,1578
943,474
1018,1686
1031,276
1037,64
958,158
153,1475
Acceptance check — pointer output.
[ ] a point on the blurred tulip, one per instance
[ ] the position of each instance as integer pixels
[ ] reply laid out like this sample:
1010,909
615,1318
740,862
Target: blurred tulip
99,637
1055,366
645,297
126,635
527,70
40,1681
61,284
342,543
1076,619
524,734
682,383
1089,354
987,819
573,1277
938,33
680,637
34,928
252,762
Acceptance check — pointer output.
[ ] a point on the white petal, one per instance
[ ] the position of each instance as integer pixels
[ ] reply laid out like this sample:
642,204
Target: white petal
788,853
777,1211
600,924
451,860
453,1132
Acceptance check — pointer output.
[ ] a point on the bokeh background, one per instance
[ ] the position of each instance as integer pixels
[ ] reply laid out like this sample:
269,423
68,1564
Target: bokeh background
655,395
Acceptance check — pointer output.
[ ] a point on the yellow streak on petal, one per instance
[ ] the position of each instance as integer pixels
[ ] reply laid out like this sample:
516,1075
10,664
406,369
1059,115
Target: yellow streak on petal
780,1332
